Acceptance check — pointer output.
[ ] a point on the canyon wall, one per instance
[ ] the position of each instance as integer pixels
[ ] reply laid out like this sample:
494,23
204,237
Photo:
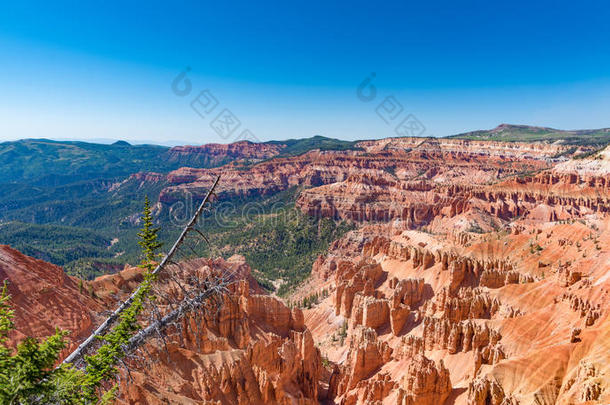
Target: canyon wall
477,273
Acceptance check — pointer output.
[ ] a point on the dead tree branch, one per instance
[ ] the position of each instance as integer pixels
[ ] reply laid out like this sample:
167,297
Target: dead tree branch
81,350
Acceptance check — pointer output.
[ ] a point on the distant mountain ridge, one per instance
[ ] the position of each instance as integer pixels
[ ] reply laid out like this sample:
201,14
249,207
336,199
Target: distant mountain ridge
529,133
43,162
47,162
66,201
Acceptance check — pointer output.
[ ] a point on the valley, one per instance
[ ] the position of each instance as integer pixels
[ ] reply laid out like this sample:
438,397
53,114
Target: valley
459,270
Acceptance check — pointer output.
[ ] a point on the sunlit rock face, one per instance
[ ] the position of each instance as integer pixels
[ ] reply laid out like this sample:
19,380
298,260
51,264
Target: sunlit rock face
506,282
477,273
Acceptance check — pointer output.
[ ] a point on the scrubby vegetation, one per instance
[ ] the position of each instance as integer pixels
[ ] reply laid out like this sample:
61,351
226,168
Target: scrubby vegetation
310,301
342,333
276,239
591,154
475,228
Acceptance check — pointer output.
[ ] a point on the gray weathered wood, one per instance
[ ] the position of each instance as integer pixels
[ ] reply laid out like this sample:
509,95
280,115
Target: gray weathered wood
80,351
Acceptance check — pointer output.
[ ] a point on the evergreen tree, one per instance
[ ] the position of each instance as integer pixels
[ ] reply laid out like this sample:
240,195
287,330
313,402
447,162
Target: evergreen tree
28,375
149,238
28,372
102,365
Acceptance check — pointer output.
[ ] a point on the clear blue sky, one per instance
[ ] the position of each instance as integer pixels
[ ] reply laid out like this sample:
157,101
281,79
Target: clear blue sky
291,69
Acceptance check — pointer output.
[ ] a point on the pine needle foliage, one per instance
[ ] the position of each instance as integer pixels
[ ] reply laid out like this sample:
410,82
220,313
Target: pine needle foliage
28,375
103,365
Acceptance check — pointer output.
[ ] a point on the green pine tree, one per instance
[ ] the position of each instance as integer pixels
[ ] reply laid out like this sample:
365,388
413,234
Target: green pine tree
102,365
28,375
27,372
149,238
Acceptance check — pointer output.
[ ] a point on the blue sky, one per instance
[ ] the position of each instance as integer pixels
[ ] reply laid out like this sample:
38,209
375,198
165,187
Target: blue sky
291,69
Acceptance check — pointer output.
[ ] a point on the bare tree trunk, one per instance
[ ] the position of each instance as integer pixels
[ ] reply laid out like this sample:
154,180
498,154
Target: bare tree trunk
185,306
80,351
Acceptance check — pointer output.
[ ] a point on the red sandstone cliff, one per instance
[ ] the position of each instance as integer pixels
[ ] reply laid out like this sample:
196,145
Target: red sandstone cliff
44,297
251,350
213,154
478,274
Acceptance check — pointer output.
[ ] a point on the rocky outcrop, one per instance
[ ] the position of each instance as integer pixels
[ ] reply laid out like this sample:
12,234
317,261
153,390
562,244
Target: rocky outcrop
214,154
358,279
586,309
45,298
424,382
252,350
483,391
467,303
379,199
366,355
441,334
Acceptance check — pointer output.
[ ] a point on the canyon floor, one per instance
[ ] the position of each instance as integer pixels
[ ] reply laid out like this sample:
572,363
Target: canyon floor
475,272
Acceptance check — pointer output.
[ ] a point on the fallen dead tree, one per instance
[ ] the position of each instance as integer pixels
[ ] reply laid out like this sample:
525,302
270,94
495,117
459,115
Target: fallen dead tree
189,301
188,305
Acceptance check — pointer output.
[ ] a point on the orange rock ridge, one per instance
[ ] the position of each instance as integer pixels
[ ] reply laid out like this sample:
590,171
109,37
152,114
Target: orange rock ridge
479,273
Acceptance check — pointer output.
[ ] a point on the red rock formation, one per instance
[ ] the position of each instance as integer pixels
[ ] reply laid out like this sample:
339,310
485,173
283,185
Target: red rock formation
483,303
364,174
458,257
358,278
483,391
253,350
366,355
213,154
424,383
44,298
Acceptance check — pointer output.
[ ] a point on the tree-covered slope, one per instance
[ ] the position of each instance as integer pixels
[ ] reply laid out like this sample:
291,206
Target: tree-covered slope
296,147
46,162
528,133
